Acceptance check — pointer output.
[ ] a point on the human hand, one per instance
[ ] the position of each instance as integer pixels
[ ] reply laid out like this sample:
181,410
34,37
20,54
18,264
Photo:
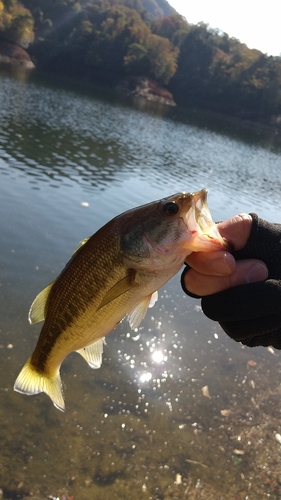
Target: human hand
216,271
243,290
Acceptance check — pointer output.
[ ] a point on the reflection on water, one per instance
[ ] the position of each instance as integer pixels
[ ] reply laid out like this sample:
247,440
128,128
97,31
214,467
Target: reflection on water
70,138
177,410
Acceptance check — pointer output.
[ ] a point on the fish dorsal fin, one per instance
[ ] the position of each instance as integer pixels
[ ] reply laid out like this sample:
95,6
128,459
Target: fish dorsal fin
38,307
93,353
122,286
37,310
138,313
82,242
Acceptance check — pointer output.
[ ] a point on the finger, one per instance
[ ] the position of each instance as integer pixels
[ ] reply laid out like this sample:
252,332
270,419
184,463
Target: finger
236,230
246,271
219,263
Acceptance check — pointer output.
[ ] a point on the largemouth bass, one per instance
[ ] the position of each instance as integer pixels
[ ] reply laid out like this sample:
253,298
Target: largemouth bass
114,273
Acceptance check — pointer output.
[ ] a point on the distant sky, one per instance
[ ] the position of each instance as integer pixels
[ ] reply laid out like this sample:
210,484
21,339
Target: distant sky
255,23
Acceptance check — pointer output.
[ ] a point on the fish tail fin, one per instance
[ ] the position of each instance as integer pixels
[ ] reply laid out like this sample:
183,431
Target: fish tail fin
30,381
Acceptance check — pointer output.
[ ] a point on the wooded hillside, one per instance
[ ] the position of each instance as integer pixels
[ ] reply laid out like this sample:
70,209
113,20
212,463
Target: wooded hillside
107,40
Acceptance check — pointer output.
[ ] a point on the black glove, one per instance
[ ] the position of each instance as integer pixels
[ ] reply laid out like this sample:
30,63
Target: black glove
251,313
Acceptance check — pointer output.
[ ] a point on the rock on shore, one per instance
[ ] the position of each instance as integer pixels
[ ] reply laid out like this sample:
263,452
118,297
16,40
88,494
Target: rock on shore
147,88
14,54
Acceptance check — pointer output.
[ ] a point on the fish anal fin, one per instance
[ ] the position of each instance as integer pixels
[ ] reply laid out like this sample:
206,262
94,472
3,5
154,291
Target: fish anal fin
122,286
93,353
38,306
136,316
30,382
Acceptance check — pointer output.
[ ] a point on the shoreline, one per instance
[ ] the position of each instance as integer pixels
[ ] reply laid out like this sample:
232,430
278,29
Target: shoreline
15,55
143,87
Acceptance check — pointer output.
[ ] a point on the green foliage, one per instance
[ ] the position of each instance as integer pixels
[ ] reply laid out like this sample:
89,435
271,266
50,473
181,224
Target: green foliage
221,74
16,23
110,39
173,27
157,8
163,58
106,37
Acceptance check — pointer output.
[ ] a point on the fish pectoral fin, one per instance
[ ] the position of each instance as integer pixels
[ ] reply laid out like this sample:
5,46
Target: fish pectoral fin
136,316
38,307
119,288
93,353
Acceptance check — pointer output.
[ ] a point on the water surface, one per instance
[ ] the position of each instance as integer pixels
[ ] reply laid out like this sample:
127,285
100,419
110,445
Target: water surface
139,427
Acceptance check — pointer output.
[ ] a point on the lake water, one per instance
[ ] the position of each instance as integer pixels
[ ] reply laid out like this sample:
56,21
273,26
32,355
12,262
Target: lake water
140,427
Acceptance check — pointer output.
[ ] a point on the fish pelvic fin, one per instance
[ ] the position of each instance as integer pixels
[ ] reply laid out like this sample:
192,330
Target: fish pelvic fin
30,381
136,316
93,353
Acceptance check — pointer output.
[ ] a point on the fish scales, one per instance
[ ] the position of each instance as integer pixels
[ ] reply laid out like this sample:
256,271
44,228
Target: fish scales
82,285
114,273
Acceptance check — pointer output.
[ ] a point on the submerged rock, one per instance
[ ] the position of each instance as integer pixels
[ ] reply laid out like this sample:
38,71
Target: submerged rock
146,88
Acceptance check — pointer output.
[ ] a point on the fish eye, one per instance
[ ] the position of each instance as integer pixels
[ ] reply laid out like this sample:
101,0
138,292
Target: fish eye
170,208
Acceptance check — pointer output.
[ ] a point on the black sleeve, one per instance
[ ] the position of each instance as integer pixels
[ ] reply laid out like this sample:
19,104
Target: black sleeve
251,313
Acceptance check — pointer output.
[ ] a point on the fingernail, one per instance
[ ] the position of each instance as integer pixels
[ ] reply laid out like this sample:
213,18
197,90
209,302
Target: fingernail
223,266
258,272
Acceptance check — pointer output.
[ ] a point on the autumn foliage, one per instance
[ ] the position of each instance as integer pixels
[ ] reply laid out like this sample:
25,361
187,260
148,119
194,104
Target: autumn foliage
110,39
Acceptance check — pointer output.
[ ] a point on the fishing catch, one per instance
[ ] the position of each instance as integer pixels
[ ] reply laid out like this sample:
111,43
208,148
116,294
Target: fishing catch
114,273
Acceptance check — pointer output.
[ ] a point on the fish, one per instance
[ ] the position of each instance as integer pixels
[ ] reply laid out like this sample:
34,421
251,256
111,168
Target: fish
113,274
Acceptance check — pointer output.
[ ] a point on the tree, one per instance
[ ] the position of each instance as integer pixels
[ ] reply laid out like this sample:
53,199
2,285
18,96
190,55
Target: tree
16,23
189,85
163,58
173,27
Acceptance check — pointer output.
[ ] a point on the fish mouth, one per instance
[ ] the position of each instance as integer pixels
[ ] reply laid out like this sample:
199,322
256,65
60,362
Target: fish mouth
199,221
201,210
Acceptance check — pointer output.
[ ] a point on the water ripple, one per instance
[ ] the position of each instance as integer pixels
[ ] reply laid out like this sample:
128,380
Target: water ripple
53,135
